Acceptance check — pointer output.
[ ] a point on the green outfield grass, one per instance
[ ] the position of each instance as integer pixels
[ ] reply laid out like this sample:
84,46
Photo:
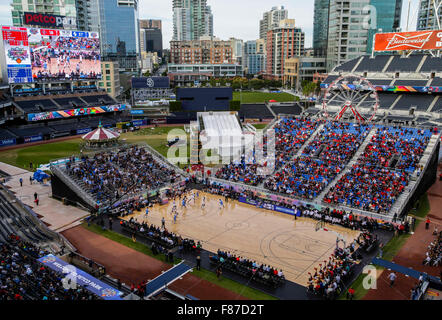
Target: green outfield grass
207,275
259,126
261,97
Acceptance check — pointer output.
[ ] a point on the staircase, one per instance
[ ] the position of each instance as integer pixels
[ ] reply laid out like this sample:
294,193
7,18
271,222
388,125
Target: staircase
348,167
310,139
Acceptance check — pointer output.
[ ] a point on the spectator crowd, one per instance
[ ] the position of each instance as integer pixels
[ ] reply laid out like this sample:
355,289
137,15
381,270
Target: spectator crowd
22,277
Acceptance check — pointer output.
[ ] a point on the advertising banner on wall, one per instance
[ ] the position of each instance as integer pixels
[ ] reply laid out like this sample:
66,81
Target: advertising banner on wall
415,40
7,142
74,112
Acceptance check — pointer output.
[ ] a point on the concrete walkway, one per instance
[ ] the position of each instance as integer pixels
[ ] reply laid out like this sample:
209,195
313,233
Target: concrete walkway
57,216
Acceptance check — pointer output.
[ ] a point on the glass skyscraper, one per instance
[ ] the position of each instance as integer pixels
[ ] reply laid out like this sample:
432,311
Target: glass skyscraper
388,18
351,27
120,39
320,27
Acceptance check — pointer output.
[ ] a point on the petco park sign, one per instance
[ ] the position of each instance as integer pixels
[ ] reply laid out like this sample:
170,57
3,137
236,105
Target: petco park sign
48,20
416,40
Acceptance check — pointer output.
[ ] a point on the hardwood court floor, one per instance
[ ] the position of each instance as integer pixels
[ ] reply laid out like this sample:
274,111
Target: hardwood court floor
268,237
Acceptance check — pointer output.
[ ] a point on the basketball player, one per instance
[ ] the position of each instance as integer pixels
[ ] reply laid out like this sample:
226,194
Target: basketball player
174,217
203,204
221,204
147,211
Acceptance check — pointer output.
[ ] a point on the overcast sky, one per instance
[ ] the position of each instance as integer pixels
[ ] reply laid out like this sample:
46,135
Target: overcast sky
233,18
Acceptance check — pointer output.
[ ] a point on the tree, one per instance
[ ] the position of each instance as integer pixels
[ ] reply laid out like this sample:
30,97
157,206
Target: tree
308,88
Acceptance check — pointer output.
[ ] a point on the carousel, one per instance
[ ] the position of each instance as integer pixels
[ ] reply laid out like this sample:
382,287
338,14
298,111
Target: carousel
101,138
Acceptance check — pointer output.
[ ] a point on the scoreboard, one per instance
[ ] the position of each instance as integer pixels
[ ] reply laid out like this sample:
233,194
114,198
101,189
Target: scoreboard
18,60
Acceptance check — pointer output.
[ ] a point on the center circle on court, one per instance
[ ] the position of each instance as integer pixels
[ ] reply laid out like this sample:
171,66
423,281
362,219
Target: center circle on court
237,225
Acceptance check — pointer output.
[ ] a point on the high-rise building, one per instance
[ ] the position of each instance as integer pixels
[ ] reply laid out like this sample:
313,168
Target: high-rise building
150,24
237,49
283,42
192,19
320,27
110,80
210,51
351,28
65,8
88,15
271,19
426,19
209,21
120,38
254,56
151,40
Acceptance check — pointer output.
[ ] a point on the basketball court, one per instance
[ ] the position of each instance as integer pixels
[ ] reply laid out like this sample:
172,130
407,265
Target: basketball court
265,236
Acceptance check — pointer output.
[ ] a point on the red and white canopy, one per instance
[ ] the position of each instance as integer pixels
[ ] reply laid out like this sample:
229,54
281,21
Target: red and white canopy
101,134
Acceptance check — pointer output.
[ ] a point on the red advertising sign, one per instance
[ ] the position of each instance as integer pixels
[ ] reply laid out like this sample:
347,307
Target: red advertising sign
415,40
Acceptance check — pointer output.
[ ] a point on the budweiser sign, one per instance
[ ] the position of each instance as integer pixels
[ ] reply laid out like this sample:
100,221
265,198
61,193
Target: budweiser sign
416,40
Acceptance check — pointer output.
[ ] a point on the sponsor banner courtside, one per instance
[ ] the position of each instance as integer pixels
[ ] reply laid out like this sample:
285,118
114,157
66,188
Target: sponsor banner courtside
81,278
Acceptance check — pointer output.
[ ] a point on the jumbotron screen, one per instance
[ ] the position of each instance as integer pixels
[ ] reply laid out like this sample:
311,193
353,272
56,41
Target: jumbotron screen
44,55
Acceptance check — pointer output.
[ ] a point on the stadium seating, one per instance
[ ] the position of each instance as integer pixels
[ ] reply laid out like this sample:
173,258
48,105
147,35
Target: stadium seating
322,160
347,66
69,103
432,64
6,134
437,82
108,175
386,100
294,109
26,131
375,64
255,111
402,64
98,100
382,171
411,83
421,102
36,106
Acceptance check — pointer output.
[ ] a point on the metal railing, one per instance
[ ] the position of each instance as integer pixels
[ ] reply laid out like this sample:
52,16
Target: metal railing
72,184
